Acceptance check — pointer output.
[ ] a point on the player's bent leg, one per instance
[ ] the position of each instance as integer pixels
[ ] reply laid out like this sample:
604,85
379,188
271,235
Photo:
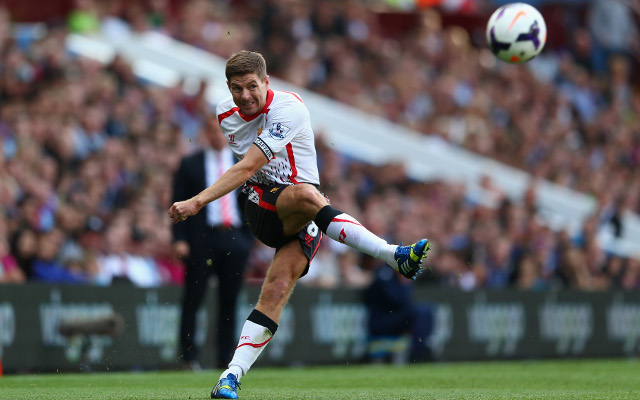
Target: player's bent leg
344,228
297,205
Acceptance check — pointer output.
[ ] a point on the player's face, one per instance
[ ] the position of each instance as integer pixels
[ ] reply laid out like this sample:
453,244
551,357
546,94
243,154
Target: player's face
249,92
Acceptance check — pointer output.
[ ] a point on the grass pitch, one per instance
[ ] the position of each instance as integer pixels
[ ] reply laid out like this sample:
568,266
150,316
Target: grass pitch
588,379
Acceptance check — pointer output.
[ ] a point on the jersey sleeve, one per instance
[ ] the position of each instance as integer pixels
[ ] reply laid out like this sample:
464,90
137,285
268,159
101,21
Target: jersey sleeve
220,109
282,124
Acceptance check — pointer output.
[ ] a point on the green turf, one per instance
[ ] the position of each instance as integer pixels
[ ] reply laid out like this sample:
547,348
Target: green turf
592,379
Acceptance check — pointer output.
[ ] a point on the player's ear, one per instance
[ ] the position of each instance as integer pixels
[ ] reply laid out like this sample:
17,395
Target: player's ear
228,86
266,81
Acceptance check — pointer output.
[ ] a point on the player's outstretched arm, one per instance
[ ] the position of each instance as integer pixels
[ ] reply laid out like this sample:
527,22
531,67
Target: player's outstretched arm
229,181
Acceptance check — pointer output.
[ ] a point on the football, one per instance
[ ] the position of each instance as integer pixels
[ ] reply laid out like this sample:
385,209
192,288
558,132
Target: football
516,32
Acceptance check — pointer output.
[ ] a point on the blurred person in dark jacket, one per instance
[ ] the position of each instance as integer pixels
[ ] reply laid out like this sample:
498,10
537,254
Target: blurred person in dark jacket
393,312
213,242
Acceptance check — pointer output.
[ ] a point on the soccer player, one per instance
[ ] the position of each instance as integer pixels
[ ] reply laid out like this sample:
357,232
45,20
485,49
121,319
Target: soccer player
270,132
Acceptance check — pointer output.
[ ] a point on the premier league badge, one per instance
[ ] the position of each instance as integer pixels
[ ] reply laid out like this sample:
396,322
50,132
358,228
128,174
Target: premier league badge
278,130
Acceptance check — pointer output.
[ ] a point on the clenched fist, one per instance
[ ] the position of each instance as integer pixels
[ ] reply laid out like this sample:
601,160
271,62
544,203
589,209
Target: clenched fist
182,210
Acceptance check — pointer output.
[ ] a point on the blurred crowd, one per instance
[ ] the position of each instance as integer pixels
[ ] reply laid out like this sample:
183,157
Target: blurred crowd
88,151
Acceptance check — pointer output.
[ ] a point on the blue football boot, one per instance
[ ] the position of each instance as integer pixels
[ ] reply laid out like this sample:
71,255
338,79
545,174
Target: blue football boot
227,388
409,258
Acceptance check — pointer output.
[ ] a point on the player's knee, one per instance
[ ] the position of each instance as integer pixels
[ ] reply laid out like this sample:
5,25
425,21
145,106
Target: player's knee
309,197
300,199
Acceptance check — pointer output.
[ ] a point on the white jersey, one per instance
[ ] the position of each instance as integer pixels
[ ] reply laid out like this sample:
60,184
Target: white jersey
282,130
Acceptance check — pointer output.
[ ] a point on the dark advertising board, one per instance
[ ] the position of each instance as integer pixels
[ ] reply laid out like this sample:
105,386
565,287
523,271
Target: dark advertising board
72,328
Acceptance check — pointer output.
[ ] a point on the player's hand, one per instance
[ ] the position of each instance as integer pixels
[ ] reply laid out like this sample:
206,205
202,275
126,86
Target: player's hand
182,210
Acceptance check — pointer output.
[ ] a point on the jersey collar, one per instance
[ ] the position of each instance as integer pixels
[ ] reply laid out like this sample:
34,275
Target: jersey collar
265,109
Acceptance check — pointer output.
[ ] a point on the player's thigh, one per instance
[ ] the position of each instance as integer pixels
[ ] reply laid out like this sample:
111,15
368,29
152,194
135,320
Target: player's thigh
297,205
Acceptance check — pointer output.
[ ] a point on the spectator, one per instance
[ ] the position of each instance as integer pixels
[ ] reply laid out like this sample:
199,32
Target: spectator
118,262
78,135
530,276
45,266
614,31
9,270
24,246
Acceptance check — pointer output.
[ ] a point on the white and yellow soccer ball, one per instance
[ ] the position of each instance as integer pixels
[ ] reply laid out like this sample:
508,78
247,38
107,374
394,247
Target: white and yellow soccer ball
516,32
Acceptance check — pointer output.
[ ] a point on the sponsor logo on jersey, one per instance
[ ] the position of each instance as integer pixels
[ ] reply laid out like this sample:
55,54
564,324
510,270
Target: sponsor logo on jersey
260,131
308,239
232,140
278,130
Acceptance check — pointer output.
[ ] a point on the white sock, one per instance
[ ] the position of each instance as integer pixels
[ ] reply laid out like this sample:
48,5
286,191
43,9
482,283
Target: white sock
233,369
346,229
253,340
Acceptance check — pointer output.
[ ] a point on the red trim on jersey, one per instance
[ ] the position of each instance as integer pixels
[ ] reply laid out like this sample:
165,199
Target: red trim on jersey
345,220
227,114
264,110
292,163
297,97
255,345
248,118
